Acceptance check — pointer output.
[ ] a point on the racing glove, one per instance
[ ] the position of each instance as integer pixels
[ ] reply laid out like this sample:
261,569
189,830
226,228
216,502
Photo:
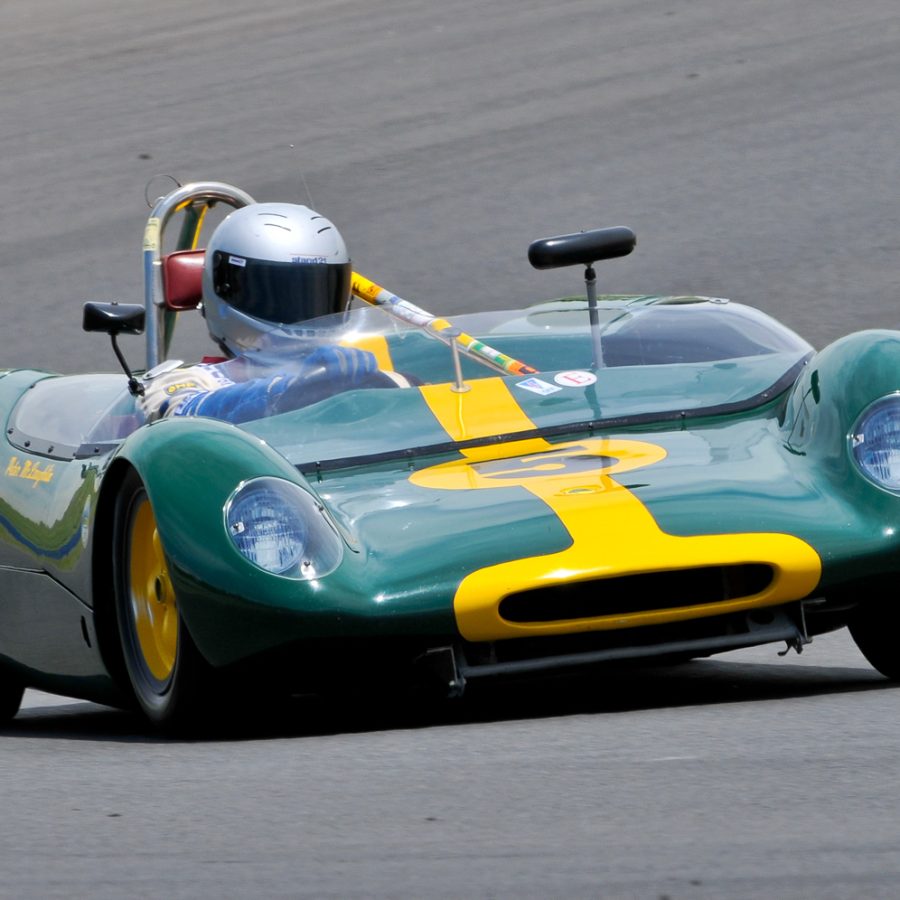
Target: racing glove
346,365
165,393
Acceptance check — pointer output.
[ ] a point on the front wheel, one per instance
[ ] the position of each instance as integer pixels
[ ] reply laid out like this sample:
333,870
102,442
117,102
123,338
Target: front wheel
875,627
168,677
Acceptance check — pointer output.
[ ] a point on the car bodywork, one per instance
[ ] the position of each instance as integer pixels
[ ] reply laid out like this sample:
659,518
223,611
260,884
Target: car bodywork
698,488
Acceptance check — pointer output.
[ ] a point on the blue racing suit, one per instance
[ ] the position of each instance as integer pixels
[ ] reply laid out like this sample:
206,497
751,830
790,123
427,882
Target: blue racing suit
239,390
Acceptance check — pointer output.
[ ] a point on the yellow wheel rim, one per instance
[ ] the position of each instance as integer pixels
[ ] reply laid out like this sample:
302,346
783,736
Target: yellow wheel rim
153,603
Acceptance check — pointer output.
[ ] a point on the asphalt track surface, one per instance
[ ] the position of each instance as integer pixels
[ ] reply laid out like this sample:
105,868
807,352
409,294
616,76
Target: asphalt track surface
753,148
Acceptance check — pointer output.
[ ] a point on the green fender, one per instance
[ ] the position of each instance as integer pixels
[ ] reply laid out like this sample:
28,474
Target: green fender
190,468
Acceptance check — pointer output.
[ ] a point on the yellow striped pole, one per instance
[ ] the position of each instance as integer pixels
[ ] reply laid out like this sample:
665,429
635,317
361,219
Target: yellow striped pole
408,312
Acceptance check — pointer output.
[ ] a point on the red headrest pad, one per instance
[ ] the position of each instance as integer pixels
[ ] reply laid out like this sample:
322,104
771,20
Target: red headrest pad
183,279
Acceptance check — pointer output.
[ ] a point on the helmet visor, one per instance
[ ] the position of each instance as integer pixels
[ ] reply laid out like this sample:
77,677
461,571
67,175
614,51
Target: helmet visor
282,292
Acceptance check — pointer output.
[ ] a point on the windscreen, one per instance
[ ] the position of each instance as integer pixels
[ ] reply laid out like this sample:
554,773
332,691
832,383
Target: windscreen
667,334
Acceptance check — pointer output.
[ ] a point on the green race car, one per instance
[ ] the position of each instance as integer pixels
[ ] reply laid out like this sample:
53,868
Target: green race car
587,480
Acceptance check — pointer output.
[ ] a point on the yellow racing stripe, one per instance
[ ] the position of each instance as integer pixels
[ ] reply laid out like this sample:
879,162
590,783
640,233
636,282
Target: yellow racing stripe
377,345
485,410
613,533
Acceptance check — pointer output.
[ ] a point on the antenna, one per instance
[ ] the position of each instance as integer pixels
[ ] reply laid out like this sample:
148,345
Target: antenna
305,185
157,177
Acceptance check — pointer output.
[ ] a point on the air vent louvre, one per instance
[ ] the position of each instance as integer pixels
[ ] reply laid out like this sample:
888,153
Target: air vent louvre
637,593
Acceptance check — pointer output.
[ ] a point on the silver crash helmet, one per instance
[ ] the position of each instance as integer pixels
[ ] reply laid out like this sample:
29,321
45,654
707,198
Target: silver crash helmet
269,267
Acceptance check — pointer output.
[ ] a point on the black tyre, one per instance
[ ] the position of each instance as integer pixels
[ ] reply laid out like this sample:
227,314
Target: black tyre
11,692
169,679
875,627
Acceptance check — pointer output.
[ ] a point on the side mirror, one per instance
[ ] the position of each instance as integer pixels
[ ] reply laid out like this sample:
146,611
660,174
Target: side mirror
113,318
581,248
584,248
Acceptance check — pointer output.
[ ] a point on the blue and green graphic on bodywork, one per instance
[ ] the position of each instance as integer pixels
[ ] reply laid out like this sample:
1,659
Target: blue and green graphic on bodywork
45,509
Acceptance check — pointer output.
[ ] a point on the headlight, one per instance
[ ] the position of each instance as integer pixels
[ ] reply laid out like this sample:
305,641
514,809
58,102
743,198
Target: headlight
281,528
875,442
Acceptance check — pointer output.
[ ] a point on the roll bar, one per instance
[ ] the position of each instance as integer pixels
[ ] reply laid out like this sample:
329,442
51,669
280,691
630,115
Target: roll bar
195,199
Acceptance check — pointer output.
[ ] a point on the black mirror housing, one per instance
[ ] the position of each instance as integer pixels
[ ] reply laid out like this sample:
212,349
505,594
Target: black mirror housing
581,248
113,318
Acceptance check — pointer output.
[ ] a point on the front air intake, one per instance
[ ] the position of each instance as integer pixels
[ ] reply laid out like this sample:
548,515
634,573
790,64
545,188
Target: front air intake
636,593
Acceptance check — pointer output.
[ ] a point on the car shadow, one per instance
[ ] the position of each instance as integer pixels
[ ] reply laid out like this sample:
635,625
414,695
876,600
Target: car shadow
606,691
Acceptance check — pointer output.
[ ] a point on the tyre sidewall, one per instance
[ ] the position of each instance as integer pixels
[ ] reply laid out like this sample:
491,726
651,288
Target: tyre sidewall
165,702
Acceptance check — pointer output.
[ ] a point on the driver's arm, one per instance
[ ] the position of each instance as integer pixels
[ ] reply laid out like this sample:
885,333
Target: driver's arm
327,370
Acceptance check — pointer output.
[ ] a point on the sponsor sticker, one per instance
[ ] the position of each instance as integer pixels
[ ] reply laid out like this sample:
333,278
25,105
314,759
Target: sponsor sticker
151,234
575,378
181,386
537,386
237,261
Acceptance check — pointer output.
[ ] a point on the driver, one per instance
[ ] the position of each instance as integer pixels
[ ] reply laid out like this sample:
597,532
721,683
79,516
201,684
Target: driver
267,268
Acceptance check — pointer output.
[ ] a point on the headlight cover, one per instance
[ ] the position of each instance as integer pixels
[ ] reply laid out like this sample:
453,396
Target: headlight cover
875,442
280,528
